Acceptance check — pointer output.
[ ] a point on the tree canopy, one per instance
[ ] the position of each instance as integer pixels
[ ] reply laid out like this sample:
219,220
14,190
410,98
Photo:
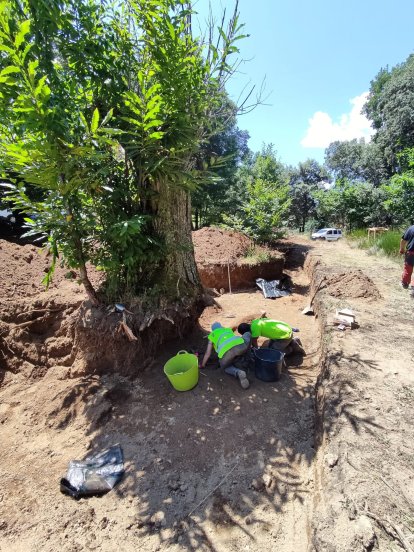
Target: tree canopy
104,109
390,107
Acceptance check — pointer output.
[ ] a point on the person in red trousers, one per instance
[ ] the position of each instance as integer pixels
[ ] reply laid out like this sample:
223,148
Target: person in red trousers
407,249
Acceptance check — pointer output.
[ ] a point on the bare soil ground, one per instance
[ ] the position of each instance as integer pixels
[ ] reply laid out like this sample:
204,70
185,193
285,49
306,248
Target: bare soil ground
364,471
300,464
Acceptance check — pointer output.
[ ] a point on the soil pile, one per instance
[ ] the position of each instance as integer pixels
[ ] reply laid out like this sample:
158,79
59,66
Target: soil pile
221,257
352,284
214,245
24,266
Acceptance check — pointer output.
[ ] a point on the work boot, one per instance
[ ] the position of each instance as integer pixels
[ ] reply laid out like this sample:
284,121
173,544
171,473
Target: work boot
244,382
297,346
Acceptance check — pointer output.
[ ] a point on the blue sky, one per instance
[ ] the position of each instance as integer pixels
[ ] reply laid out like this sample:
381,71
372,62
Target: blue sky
318,58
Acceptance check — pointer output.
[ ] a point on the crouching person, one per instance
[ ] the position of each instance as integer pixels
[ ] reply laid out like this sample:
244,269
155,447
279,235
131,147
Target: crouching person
230,348
279,333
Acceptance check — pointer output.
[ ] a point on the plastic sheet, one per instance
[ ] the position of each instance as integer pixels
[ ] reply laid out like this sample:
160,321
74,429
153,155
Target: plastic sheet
273,289
95,475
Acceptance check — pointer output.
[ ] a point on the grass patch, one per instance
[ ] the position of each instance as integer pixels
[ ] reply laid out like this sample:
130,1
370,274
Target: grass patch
387,243
257,255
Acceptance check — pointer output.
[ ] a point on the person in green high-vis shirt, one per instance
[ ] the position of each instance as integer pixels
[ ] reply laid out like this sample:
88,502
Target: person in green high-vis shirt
279,333
229,348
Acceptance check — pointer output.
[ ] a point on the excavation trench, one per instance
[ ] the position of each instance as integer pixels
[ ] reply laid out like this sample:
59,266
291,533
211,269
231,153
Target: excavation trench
211,469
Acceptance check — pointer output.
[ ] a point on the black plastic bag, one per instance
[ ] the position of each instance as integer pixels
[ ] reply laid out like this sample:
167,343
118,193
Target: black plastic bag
274,288
95,475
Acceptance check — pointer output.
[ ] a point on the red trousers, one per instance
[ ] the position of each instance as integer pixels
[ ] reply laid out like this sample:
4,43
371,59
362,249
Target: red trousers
408,268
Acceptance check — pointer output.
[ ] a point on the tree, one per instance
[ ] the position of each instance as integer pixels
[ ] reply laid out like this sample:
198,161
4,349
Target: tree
304,181
221,156
351,205
390,106
356,161
104,107
265,196
399,201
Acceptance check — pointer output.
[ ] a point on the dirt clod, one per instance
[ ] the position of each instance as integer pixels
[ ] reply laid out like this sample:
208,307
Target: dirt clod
364,532
332,460
258,485
158,520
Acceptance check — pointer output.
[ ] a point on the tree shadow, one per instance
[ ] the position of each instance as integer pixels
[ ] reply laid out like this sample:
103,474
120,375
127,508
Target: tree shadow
211,460
345,396
200,462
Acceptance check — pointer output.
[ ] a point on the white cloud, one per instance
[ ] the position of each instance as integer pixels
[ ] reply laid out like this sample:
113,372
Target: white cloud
323,130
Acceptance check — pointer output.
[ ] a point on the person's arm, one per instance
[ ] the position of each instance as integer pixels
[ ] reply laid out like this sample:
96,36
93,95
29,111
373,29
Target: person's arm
207,354
403,245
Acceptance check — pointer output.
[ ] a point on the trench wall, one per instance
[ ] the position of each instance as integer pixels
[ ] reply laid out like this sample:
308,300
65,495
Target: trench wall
242,275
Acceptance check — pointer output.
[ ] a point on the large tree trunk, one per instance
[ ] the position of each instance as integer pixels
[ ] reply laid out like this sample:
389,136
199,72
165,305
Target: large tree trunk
172,209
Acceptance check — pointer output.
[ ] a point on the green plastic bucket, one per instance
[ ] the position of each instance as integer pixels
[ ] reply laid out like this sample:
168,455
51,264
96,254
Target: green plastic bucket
182,371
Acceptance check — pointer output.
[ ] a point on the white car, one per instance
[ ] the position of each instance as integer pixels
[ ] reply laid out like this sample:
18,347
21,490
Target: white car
6,216
328,234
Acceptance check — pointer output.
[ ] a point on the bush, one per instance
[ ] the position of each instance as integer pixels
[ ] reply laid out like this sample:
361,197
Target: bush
257,255
384,244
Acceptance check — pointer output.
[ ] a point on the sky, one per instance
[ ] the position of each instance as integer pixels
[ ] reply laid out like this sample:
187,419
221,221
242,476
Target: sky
317,59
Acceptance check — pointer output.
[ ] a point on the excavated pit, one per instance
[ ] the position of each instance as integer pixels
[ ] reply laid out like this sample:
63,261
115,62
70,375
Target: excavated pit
246,458
228,260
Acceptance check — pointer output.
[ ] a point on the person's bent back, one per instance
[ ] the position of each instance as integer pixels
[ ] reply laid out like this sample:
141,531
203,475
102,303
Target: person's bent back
279,333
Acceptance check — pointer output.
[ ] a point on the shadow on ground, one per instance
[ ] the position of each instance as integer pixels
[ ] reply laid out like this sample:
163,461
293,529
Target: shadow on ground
346,397
212,458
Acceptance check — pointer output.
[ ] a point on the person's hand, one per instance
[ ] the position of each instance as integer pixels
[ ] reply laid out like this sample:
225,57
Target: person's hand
402,251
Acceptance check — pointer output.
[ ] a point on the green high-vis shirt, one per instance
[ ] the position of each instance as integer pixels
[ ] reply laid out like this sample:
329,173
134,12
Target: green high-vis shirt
272,329
223,340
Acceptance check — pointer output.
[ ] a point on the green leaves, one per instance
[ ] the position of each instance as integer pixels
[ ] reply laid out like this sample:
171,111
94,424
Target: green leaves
8,70
24,29
103,108
95,121
107,117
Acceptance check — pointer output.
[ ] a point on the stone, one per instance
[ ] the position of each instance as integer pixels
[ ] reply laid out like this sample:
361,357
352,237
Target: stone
158,519
173,485
267,479
257,485
364,532
332,460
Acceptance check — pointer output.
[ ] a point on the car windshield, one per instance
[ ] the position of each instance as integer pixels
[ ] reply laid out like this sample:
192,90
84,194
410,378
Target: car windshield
321,230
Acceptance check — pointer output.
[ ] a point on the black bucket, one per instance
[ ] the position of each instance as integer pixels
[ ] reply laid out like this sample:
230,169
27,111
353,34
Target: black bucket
268,364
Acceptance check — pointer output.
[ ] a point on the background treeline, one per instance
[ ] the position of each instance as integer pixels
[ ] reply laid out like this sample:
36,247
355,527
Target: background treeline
360,184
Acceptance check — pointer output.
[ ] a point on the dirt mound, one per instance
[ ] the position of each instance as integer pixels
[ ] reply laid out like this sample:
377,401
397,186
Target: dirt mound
214,245
24,266
352,284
